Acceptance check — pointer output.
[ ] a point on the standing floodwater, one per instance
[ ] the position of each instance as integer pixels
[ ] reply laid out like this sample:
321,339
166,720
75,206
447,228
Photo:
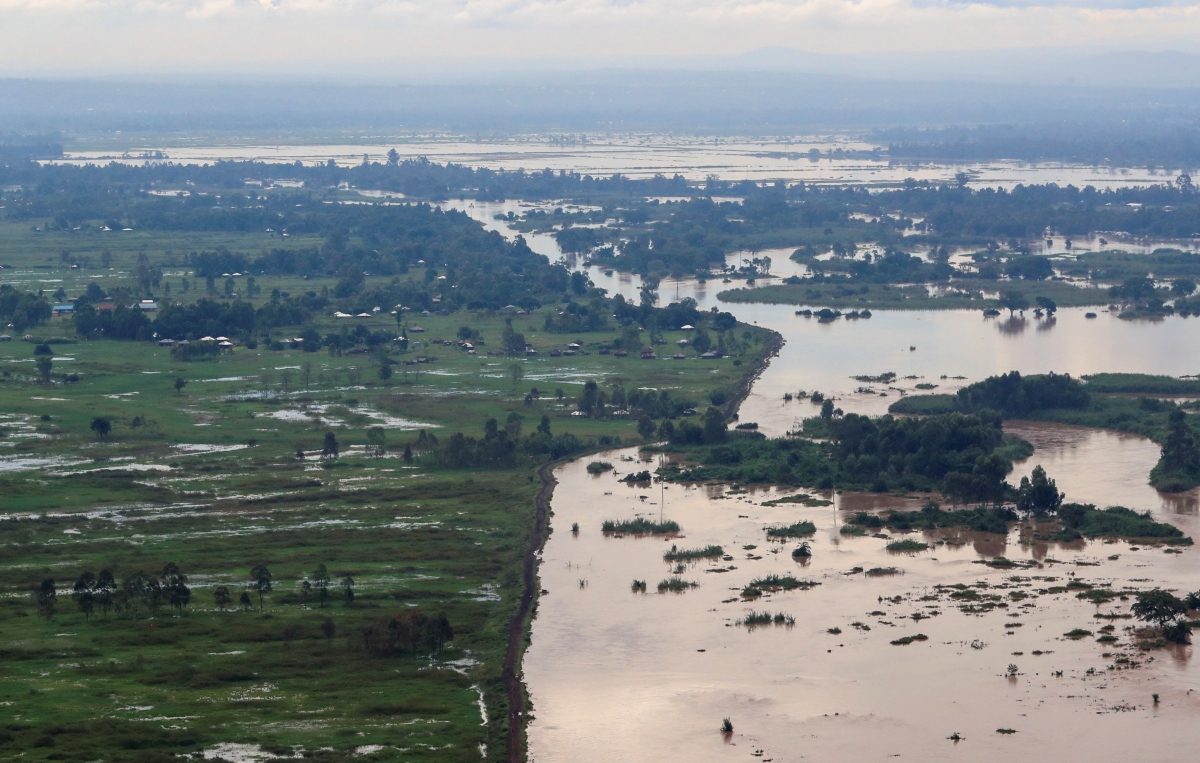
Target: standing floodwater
616,675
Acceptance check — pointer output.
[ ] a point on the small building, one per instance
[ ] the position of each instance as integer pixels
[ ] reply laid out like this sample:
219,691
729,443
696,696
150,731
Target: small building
106,304
679,356
5,338
166,342
63,310
148,305
648,354
416,330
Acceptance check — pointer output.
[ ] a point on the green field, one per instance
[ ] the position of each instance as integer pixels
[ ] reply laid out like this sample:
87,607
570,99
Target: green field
209,478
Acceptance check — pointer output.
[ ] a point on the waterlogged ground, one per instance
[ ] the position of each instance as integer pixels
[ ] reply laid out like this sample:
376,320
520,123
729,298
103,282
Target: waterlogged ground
617,675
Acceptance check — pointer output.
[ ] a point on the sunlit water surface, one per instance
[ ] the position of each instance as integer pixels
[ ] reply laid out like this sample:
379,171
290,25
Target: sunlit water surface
621,676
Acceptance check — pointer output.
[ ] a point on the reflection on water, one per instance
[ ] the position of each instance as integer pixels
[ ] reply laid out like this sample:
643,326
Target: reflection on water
619,676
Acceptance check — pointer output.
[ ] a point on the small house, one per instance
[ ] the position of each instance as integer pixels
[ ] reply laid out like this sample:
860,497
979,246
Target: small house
166,342
148,305
648,354
63,310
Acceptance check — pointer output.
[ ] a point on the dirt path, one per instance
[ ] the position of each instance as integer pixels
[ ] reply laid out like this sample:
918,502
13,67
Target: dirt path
513,686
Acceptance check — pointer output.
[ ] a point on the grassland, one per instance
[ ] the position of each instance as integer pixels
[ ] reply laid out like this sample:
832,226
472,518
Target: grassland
208,478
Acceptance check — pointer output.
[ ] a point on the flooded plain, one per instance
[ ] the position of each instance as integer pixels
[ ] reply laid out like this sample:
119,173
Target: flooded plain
643,155
987,673
616,675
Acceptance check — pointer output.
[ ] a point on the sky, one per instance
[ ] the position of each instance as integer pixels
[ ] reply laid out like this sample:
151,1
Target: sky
399,38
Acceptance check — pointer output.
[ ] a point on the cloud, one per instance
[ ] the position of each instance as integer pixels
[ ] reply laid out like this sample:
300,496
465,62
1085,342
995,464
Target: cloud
195,34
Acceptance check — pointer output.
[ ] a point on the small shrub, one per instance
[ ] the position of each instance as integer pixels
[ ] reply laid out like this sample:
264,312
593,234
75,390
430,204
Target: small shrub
675,584
640,526
907,545
599,467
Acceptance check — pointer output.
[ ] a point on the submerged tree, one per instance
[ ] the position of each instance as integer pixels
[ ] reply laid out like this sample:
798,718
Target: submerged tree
1038,495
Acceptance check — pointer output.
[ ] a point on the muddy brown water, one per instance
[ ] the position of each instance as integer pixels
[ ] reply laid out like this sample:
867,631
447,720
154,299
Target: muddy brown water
621,676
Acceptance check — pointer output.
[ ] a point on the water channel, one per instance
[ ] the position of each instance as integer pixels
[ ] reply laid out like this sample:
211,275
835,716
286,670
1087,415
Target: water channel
616,675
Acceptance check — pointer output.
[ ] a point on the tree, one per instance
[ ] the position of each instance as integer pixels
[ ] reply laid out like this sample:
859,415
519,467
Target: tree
329,448
408,454
1047,304
221,597
244,601
1013,301
347,591
666,430
516,372
393,158
174,584
1167,611
1038,495
84,594
180,383
544,426
260,582
103,590
44,366
45,595
591,400
714,426
1183,287
321,583
513,342
101,425
1158,606
827,410
377,440
1180,451
645,427
306,371
328,629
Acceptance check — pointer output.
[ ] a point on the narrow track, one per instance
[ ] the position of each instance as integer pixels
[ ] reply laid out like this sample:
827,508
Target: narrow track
510,675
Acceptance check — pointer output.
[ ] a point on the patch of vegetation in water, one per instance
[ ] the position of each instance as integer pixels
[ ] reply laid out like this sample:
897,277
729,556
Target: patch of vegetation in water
1085,520
640,526
599,467
804,500
931,517
692,554
754,619
772,583
675,584
907,545
906,640
794,530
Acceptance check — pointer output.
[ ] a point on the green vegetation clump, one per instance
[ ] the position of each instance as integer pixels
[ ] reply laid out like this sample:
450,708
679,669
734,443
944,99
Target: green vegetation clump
794,530
906,545
640,526
692,554
806,500
599,467
931,517
1116,522
675,584
766,618
1178,469
1077,633
953,453
906,640
771,583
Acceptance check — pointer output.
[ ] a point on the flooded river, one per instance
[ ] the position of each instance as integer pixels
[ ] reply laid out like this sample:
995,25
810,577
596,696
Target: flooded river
617,675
